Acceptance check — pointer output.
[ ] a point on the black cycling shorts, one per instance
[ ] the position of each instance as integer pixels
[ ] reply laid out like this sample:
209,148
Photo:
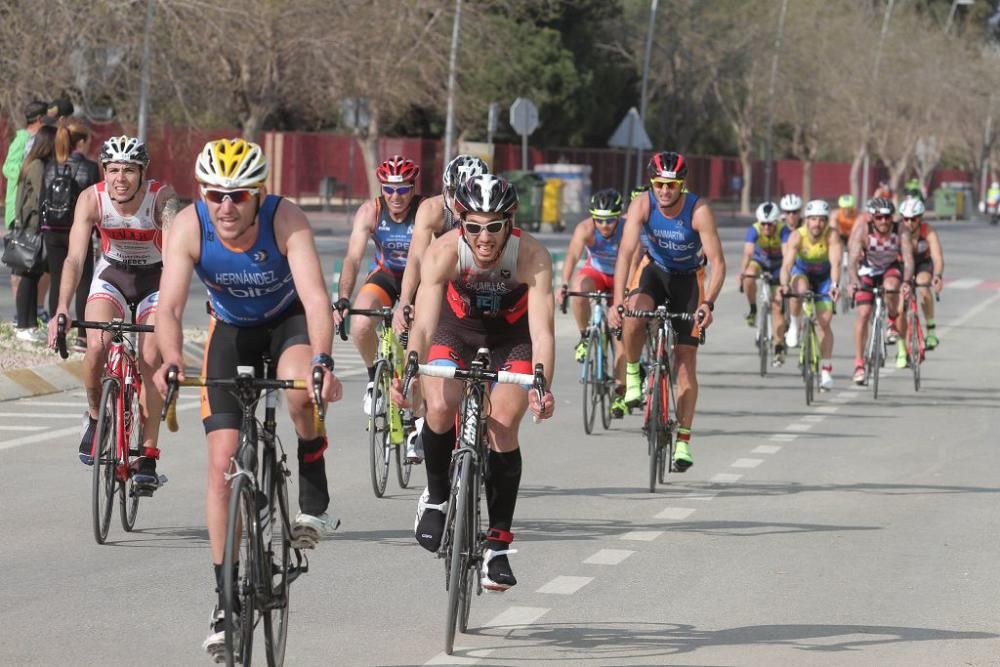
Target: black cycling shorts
230,346
681,292
385,284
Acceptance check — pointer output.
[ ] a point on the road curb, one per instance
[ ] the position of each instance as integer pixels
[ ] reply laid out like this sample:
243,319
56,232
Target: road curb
40,380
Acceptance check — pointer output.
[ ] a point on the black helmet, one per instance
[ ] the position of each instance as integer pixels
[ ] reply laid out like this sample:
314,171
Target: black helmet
636,191
881,206
485,193
667,165
606,203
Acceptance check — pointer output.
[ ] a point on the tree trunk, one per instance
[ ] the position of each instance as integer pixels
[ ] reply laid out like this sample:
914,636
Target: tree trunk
859,158
369,148
746,165
807,179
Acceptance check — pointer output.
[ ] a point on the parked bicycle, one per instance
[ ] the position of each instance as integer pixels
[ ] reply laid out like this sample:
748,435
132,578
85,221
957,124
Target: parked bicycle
659,425
598,373
389,425
464,539
259,562
118,441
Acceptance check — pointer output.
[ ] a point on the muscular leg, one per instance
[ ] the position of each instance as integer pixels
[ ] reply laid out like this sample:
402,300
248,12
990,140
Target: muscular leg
441,399
634,329
686,357
152,402
363,328
98,310
861,329
221,447
580,305
824,318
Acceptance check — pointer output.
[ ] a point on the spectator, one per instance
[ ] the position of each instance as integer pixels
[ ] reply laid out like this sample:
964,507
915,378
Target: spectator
28,216
71,146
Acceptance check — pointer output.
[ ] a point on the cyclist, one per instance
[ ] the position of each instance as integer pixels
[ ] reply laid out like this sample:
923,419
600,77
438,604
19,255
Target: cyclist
884,191
928,260
636,191
845,216
791,209
599,237
130,212
812,263
388,220
256,255
762,250
876,249
680,234
485,284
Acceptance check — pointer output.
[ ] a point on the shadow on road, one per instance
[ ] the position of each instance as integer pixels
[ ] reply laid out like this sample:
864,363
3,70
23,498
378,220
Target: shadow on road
173,537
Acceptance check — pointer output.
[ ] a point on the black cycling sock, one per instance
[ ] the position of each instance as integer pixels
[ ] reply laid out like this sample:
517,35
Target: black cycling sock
502,483
220,587
371,373
314,496
437,458
753,308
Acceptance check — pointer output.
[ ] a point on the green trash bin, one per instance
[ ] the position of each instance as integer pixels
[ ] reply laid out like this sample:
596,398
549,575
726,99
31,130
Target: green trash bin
945,201
530,194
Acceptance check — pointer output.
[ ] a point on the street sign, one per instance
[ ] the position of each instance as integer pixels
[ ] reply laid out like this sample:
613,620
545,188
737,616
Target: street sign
493,118
523,116
630,133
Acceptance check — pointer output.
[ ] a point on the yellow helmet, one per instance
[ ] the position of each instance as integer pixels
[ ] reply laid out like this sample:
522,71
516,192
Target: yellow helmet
231,164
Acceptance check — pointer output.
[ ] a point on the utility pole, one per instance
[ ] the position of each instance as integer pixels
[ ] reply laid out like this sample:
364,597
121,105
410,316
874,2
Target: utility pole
769,153
449,125
144,81
878,63
642,94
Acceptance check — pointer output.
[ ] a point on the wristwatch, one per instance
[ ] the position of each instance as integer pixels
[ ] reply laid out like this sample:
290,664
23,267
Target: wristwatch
710,304
324,360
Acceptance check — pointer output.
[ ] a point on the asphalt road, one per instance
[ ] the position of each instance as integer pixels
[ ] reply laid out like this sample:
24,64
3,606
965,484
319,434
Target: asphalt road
853,532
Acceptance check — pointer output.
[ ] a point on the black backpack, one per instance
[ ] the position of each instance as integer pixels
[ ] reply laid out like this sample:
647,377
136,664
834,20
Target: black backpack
59,199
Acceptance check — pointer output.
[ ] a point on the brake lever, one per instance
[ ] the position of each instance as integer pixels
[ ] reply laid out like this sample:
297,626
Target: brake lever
409,372
319,410
621,326
539,387
61,337
169,411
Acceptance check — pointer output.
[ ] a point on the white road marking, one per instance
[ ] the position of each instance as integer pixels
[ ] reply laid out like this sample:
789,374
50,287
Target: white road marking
827,409
813,419
766,449
445,659
609,557
848,395
21,428
840,400
45,415
516,616
746,463
700,495
965,283
725,478
798,426
784,437
676,513
564,585
642,535
969,314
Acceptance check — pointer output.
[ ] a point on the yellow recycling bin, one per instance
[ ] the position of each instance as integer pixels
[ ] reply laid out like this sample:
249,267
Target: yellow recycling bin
552,201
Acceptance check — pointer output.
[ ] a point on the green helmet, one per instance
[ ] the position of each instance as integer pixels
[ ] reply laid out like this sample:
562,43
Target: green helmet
638,191
846,201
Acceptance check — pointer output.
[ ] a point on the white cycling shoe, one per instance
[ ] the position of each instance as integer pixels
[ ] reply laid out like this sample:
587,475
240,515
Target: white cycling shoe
308,530
367,402
215,643
414,447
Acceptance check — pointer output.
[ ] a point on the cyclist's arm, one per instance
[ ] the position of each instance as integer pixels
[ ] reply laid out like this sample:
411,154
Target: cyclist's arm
85,216
576,246
364,220
184,248
855,250
747,256
703,222
427,223
536,267
436,270
637,212
836,252
791,250
295,234
937,254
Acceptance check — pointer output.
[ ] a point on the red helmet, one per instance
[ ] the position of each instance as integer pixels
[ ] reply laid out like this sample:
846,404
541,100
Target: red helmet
667,164
397,169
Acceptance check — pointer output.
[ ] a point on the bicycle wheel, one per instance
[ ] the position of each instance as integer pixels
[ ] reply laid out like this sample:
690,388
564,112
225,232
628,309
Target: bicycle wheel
378,430
808,369
460,548
591,389
653,421
128,500
763,339
878,354
473,572
105,460
607,378
914,337
277,565
665,441
241,559
403,467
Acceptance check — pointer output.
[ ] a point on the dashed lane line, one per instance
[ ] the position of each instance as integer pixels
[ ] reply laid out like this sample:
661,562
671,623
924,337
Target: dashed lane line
798,426
564,585
784,437
21,428
813,419
608,557
827,409
42,415
766,449
676,513
725,478
746,463
641,535
700,495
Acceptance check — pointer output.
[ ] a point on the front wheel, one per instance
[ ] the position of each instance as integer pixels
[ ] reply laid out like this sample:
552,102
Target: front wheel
878,357
591,389
461,548
808,368
914,346
241,558
378,430
105,460
127,497
654,420
403,467
277,568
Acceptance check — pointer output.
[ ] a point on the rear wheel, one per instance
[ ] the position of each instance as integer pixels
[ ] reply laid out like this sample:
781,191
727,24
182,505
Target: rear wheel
378,430
403,467
461,547
105,460
128,499
243,555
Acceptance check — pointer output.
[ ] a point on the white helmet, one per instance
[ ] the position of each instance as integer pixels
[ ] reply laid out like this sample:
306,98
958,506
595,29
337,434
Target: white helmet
818,207
768,213
791,203
912,208
460,169
124,149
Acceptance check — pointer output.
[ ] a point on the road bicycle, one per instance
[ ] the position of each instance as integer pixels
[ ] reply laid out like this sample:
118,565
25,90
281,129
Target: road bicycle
598,373
118,441
659,425
875,344
389,425
765,325
809,355
915,345
463,542
259,562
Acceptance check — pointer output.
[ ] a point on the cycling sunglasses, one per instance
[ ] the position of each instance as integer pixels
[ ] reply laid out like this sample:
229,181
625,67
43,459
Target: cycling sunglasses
606,221
397,189
915,218
666,183
475,228
235,196
882,217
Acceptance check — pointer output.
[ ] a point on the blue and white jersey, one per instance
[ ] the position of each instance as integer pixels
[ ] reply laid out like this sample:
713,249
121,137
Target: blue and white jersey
604,253
672,242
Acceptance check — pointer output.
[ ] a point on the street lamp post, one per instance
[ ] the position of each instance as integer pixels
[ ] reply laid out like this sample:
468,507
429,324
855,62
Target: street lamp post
878,63
769,153
642,91
144,82
449,124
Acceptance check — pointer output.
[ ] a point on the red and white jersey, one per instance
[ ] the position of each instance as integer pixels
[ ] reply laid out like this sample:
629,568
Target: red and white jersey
136,239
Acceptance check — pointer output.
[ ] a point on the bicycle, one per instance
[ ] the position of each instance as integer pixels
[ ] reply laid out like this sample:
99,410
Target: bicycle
875,344
765,327
809,355
257,567
915,346
118,441
389,425
660,395
598,383
462,544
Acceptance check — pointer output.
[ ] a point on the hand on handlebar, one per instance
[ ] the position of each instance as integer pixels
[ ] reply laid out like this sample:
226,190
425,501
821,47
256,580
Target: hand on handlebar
339,307
57,333
563,298
616,315
330,389
162,374
541,408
